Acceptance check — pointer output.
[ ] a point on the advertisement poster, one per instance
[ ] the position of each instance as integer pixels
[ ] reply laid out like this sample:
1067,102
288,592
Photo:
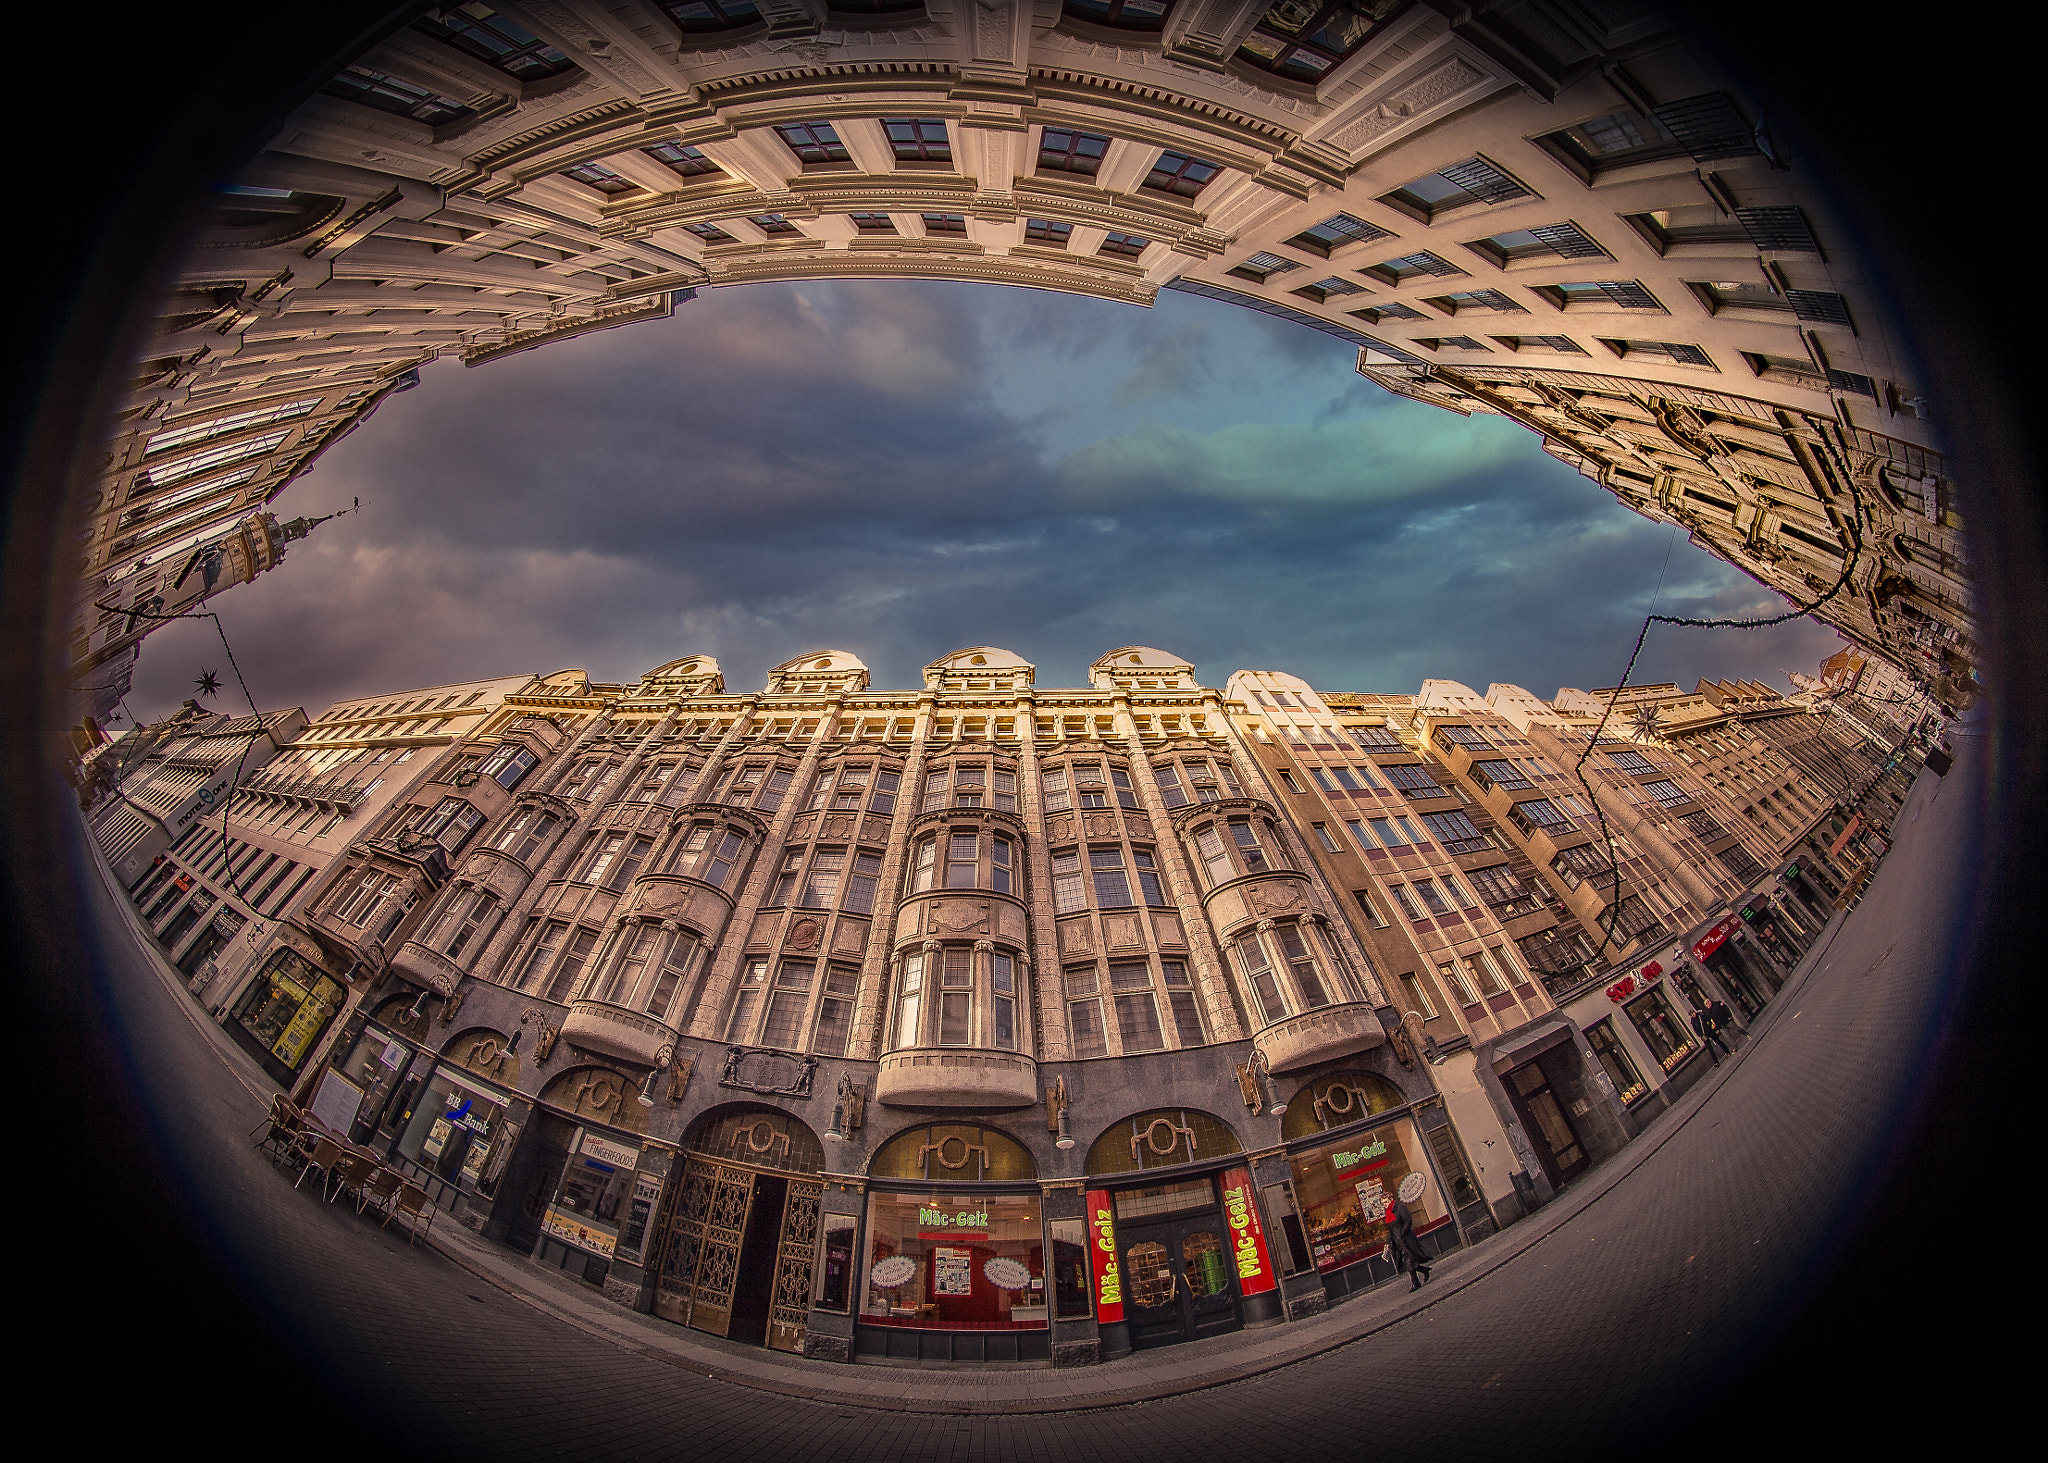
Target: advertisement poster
575,1229
1247,1234
1109,1281
307,1022
952,1271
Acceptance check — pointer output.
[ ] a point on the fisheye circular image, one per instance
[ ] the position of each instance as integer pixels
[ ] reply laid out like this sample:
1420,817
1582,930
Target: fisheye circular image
894,729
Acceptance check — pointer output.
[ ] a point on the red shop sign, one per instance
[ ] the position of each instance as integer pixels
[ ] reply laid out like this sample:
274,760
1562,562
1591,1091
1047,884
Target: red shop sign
1109,1281
1247,1235
1628,985
1715,938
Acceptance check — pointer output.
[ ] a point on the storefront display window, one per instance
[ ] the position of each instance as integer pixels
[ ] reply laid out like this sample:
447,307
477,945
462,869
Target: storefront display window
593,1189
452,1128
955,1259
1662,1031
1343,1187
287,1007
1070,1276
1614,1059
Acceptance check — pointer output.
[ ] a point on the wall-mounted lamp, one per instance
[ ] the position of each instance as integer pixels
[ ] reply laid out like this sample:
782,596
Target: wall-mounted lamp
646,1095
1255,1083
418,1006
1056,1114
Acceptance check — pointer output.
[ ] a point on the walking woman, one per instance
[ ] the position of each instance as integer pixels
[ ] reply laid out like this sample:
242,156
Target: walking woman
1406,1247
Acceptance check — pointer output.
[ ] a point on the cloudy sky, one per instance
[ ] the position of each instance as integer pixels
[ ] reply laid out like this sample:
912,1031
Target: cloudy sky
900,469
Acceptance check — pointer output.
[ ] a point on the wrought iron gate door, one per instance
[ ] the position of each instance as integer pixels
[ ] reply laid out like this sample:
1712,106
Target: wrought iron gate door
700,1256
794,1248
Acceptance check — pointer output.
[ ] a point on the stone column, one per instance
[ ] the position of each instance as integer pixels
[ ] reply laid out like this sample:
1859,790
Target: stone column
1048,1001
878,966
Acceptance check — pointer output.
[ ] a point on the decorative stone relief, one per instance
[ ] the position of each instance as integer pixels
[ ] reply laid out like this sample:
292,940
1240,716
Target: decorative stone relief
763,932
1122,932
804,934
1059,828
1010,922
1167,927
671,901
874,830
1076,937
1138,828
839,825
1448,79
958,916
1100,825
1275,898
850,937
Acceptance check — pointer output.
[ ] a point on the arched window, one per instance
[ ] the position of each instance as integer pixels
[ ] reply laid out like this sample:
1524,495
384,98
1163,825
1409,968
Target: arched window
954,1153
1164,1138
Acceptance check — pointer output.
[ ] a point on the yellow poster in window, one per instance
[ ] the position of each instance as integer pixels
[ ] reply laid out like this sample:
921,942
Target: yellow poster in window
311,1017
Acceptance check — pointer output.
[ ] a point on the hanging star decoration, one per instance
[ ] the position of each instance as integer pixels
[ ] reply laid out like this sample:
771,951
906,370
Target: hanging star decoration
208,683
1647,726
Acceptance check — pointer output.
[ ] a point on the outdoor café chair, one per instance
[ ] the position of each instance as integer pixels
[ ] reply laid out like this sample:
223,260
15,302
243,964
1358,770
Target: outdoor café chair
412,1202
351,1172
380,1189
326,1153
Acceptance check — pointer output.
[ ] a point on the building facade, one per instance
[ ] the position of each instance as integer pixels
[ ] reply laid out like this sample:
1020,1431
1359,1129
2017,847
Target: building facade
1574,220
981,1021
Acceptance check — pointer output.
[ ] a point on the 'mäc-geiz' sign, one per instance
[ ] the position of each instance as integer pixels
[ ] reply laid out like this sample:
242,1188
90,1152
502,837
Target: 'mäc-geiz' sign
955,1222
1109,1282
1247,1235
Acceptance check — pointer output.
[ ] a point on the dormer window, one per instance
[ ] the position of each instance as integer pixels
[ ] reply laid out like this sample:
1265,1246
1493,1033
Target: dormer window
1301,39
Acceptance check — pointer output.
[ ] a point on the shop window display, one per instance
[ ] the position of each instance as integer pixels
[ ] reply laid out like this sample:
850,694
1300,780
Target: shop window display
593,1188
1663,1033
955,1259
287,1007
1343,1187
1614,1059
453,1124
356,1092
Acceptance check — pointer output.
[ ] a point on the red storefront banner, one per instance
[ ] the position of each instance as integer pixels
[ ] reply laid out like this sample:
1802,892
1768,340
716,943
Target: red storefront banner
1715,938
1847,833
1628,985
1247,1235
1109,1280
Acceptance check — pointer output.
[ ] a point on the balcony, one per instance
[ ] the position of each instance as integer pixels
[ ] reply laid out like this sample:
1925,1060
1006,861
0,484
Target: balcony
614,1031
956,1077
426,967
1319,1035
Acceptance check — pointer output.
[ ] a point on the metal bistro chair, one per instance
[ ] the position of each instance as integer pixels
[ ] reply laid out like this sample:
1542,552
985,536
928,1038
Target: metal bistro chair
325,1154
380,1189
280,1129
412,1201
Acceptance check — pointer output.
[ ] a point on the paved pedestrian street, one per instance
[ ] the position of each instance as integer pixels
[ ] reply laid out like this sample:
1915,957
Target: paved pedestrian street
1605,1325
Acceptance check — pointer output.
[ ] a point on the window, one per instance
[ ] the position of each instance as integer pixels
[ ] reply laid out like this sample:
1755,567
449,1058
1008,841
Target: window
774,224
600,177
1545,242
1084,1010
835,1011
525,833
1258,973
1631,761
1406,899
1061,150
1412,780
1603,143
1614,1060
1334,233
1148,877
1301,962
497,40
1432,899
1323,836
1502,892
1708,126
1137,1013
746,1000
712,15
1820,307
823,884
1456,832
1128,245
1180,174
1539,813
1047,231
1287,781
814,143
1329,288
1376,737
1180,999
687,162
918,139
1301,39
873,223
1418,996
860,889
1600,294
1470,301
1412,266
710,233
605,850
945,223
787,1004
1372,911
462,926
1057,799
1633,920
1003,1001
1475,180
1248,849
508,765
1112,884
1376,313
1128,14
401,98
1562,345
542,953
1678,353
1580,862
1694,229
923,861
449,823
1501,774
1260,267
1667,792
1215,861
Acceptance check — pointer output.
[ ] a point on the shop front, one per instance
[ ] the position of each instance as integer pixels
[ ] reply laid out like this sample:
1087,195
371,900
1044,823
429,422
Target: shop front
954,1265
1354,1144
1719,952
283,1012
452,1124
562,1191
367,1095
737,1247
1179,1242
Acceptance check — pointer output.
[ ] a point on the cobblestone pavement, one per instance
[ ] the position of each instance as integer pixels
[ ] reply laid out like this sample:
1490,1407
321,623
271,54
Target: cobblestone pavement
1610,1323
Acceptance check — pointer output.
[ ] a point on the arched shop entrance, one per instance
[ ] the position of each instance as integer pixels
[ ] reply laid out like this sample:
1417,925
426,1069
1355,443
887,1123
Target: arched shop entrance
1354,1142
1174,1208
735,1253
955,1262
570,1179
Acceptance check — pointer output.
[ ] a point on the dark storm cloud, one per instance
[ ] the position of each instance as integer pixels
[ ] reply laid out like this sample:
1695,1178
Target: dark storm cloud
900,470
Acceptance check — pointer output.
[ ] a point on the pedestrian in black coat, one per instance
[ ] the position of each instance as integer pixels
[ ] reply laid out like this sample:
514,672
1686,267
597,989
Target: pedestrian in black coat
1709,1028
1407,1248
